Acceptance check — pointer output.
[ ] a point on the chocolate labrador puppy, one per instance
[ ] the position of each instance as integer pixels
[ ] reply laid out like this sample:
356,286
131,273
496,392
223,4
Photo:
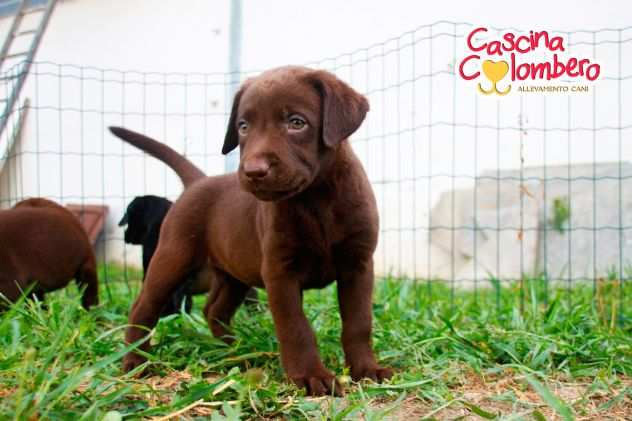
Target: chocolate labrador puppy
44,246
144,216
299,213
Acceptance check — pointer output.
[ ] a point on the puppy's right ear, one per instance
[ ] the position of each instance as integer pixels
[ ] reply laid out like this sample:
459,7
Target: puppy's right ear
343,109
231,140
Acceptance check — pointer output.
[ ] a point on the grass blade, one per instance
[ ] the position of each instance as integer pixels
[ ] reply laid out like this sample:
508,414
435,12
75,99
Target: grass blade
551,400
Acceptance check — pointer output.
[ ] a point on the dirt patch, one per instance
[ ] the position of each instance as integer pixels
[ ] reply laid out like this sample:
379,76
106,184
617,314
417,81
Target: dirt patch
509,393
502,394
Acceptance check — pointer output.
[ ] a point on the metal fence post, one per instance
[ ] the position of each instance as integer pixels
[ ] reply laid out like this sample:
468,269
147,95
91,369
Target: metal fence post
234,68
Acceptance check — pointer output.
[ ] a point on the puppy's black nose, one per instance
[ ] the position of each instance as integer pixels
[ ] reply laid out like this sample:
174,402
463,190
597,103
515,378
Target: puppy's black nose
256,168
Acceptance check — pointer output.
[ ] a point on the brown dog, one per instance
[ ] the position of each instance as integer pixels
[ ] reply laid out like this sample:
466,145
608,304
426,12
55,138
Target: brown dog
44,243
300,213
145,214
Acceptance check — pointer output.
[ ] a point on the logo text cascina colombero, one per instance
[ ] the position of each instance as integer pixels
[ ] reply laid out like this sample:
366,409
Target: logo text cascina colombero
535,60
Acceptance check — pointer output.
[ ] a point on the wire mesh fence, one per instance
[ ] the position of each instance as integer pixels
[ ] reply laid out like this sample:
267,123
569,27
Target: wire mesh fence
473,191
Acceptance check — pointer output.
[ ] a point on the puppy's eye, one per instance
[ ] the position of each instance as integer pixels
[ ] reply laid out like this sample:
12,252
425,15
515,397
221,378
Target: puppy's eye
242,127
296,123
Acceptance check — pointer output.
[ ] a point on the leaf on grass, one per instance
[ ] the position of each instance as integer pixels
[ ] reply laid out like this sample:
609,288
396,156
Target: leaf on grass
551,310
383,413
460,337
112,416
197,392
232,413
343,415
553,401
400,386
495,282
479,411
538,416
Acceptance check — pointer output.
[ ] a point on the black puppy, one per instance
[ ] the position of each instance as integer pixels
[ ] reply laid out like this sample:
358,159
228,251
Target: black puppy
144,218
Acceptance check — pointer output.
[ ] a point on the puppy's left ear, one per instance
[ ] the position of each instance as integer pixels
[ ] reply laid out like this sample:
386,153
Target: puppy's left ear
343,108
231,140
134,205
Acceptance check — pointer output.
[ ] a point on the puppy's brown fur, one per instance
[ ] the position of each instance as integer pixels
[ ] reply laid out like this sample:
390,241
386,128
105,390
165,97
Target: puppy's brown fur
44,243
199,282
300,213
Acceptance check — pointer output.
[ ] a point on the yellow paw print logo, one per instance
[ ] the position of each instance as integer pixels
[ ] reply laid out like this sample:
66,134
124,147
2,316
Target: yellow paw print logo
495,71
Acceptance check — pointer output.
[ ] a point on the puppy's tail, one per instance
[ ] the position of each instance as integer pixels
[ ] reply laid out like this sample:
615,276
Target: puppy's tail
185,169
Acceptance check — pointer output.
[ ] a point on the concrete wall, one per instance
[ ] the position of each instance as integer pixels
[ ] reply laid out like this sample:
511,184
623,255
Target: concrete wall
66,153
424,135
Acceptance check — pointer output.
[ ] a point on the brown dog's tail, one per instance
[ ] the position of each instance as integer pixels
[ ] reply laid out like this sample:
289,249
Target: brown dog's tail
185,169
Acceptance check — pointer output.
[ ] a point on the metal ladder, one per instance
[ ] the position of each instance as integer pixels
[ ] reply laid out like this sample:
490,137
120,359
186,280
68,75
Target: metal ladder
15,65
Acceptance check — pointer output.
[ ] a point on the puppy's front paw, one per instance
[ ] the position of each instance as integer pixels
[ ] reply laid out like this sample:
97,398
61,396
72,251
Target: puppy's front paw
319,383
131,361
373,372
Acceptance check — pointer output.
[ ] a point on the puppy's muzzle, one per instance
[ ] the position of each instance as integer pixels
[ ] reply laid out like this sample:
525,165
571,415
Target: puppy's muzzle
256,169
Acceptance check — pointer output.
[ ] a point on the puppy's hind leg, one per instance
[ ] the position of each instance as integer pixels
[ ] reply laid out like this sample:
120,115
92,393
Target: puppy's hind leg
87,277
224,299
172,262
174,304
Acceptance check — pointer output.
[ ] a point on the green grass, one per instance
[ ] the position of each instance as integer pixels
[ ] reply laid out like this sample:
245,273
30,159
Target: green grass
60,362
561,214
